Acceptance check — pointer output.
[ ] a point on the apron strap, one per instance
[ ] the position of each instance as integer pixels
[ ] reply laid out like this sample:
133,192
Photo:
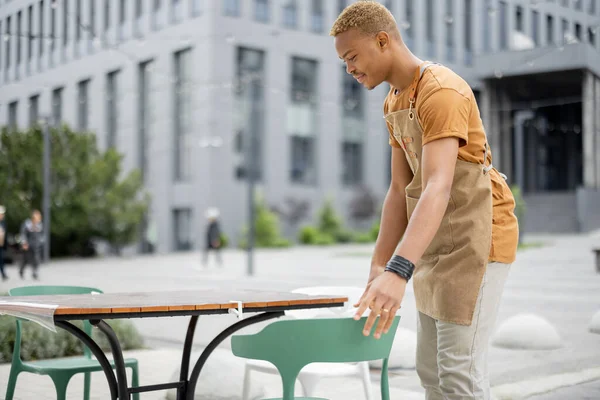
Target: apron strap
413,88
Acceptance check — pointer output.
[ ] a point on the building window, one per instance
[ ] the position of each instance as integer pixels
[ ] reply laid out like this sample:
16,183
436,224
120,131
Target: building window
487,26
19,39
578,4
156,6
449,22
565,31
341,5
578,32
503,20
535,27
591,36
430,28
182,114
389,4
592,7
290,14
196,8
468,32
41,29
519,24
550,29
83,105
78,21
353,129
231,8
13,114
352,162
91,25
176,11
34,110
316,16
30,36
302,121
65,27
112,108
249,92
57,106
261,10
409,32
52,33
122,19
182,229
107,15
8,39
144,114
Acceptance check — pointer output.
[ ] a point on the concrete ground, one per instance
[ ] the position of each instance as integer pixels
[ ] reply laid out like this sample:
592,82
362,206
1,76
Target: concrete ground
557,281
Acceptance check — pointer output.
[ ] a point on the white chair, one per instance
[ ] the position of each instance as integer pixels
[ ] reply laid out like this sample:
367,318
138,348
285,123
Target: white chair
310,376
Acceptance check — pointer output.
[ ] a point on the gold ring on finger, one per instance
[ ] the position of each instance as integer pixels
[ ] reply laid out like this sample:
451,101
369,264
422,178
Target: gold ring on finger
385,310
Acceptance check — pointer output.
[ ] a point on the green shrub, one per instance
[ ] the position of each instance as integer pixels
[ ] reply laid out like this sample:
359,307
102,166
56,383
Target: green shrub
329,221
224,240
308,235
363,238
324,239
375,230
39,343
344,236
267,233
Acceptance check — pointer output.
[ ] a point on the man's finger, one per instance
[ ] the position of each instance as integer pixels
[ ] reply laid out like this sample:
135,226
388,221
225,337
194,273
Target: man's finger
362,306
391,318
384,318
375,311
361,297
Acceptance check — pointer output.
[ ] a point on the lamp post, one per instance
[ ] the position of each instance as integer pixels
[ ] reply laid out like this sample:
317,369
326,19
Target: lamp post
47,188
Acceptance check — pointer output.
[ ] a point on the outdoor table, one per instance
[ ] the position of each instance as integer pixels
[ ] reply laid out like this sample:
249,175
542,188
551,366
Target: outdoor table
58,310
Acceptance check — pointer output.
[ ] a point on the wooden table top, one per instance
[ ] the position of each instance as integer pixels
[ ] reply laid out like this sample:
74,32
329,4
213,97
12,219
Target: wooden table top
190,300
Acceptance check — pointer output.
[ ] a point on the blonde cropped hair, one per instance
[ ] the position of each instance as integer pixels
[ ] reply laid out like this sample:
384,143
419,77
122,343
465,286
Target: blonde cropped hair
369,17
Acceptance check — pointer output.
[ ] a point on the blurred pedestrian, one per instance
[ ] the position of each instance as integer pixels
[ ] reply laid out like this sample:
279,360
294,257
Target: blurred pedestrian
213,237
3,241
32,243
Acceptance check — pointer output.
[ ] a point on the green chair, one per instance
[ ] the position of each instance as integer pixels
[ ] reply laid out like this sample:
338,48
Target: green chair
290,345
60,370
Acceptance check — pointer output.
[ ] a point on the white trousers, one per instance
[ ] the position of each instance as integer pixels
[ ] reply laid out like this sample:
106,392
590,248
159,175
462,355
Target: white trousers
452,359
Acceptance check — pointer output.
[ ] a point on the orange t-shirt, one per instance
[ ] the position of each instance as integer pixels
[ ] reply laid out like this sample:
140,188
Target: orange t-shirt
446,107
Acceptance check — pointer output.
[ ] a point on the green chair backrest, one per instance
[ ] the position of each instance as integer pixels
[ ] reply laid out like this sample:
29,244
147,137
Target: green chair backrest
290,345
49,290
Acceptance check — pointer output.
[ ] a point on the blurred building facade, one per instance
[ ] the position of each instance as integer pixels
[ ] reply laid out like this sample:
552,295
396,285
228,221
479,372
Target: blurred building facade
179,86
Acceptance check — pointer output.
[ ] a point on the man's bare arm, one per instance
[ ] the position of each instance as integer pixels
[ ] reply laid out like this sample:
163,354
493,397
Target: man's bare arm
393,215
438,164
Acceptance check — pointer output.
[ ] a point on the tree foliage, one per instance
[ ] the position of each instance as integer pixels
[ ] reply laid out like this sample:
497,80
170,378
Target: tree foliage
89,196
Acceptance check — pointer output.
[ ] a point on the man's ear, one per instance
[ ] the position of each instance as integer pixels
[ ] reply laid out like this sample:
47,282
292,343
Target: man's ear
383,40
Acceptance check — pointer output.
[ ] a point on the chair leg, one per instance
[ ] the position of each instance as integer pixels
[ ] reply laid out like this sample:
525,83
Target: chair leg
366,377
135,381
87,383
247,382
309,384
12,383
61,381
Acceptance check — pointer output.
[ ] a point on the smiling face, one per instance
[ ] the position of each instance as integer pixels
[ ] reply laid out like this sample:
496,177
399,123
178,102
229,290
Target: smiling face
367,57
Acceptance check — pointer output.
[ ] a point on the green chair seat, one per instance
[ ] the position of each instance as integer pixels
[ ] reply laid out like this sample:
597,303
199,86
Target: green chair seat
60,370
290,345
78,364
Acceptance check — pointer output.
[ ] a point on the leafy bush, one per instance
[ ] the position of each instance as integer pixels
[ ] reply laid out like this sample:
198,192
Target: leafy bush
39,343
363,238
375,230
329,221
267,232
308,235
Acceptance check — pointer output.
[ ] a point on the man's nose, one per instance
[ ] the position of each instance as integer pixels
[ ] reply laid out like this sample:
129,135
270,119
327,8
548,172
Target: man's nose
350,68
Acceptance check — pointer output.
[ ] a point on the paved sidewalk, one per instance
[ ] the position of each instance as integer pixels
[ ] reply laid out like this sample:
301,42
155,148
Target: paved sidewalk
557,282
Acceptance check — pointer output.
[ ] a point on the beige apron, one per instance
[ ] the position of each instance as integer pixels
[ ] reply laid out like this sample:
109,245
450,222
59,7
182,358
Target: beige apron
448,276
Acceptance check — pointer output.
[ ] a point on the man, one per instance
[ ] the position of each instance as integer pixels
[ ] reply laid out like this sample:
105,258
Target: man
32,243
213,237
3,240
451,208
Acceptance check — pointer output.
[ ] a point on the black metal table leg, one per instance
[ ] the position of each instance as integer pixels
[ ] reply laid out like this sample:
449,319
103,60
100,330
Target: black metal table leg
193,381
185,358
98,353
117,357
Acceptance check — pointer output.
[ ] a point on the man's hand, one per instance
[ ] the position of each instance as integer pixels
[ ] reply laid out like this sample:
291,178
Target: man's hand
383,296
375,272
25,246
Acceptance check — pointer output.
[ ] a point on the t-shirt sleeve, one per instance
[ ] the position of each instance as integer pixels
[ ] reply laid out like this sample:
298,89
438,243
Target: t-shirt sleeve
391,139
445,113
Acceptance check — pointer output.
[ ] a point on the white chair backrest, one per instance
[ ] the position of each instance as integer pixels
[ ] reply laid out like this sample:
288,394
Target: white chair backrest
353,294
